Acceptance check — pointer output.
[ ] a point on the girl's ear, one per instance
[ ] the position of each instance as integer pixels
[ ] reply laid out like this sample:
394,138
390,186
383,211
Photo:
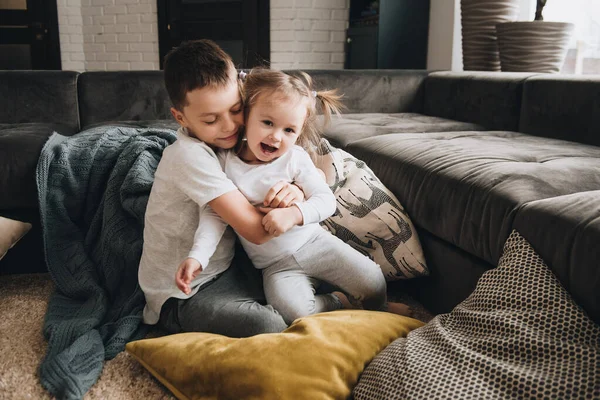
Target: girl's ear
178,115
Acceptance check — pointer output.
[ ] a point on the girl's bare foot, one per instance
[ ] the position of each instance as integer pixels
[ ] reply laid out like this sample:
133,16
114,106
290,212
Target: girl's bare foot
399,308
346,305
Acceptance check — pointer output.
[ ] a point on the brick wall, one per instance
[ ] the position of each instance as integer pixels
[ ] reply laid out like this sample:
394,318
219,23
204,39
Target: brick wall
123,34
108,35
308,34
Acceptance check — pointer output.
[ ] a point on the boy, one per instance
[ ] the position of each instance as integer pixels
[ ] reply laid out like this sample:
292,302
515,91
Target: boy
202,84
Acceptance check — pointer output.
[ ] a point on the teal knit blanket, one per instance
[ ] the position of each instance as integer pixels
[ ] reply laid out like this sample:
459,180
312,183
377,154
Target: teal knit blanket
93,190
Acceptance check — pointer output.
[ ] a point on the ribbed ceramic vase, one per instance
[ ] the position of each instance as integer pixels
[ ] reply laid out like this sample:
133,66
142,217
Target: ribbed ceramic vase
479,19
534,46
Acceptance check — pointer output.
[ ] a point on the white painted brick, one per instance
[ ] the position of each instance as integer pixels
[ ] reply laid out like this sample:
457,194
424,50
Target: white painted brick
89,38
142,65
93,48
313,57
314,14
130,56
329,25
117,47
107,57
303,3
91,11
281,4
117,28
129,38
91,56
150,57
77,39
282,36
103,2
95,29
73,66
128,19
281,24
70,47
86,3
118,66
146,18
282,13
115,10
139,28
87,20
327,47
302,24
302,36
282,57
72,11
150,37
338,36
104,19
126,1
95,66
75,20
69,29
143,47
338,57
339,15
78,56
331,4
108,38
139,8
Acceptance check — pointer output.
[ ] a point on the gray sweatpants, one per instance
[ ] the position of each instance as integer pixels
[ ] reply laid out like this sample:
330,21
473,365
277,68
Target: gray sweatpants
290,284
233,305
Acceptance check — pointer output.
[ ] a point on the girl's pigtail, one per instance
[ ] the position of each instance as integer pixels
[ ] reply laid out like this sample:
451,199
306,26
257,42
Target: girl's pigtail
330,102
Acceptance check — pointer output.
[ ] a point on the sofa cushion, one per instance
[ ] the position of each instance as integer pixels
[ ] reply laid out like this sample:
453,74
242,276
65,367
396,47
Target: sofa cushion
368,216
518,336
491,99
374,91
122,96
565,231
20,148
39,96
351,127
562,107
317,357
465,187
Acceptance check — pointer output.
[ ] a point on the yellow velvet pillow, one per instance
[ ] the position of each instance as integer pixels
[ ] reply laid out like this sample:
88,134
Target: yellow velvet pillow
317,357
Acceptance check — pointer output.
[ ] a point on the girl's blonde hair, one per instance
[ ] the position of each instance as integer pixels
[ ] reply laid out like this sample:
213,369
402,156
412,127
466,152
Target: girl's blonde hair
260,81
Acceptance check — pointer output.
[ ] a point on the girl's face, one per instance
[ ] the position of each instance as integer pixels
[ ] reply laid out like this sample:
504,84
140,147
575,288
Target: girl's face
273,126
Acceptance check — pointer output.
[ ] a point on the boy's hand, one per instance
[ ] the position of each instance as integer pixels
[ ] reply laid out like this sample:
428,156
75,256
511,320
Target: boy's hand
280,220
282,195
187,271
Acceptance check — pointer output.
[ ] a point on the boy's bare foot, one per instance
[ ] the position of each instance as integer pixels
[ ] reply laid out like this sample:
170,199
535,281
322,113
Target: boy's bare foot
346,305
399,308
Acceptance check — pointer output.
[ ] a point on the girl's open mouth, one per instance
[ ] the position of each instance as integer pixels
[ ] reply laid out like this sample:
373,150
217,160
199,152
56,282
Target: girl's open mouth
268,149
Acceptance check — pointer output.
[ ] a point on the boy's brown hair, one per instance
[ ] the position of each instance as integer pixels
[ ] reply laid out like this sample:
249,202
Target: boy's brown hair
193,65
267,81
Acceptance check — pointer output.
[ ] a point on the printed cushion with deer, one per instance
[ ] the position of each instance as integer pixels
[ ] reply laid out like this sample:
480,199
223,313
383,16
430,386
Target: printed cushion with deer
369,217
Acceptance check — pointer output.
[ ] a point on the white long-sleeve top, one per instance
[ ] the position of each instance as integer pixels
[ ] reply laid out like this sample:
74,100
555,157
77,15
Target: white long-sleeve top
255,180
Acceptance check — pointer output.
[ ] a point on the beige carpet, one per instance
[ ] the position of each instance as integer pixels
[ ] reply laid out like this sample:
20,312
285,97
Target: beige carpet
23,302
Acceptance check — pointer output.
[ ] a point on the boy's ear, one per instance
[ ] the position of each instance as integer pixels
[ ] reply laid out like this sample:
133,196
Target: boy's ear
178,115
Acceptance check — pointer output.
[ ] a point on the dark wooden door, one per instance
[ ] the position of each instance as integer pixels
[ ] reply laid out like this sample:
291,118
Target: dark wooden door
29,35
240,27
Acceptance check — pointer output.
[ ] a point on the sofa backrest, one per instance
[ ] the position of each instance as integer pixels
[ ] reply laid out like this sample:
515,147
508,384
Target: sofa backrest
122,96
374,91
39,96
491,99
562,107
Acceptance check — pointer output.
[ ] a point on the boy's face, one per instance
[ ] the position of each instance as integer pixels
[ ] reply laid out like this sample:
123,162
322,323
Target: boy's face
213,115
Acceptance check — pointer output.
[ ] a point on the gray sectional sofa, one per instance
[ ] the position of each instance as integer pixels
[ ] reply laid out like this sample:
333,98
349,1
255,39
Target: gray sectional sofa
471,156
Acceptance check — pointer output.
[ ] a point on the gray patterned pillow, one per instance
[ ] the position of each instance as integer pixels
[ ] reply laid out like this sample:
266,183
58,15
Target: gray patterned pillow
369,217
519,335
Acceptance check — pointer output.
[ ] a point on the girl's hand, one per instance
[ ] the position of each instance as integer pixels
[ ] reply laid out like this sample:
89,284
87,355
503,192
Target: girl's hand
282,195
280,220
187,271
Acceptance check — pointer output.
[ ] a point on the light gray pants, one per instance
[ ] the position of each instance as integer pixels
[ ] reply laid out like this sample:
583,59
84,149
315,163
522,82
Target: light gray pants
290,284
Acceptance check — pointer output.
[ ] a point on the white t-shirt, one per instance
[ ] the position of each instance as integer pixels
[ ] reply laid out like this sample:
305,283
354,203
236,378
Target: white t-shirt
255,180
187,178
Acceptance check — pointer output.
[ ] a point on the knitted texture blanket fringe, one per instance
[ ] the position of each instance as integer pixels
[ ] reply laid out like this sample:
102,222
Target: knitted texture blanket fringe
93,190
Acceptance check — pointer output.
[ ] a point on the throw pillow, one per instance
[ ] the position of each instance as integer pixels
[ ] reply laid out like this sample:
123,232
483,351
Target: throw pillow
369,217
317,357
11,232
519,335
